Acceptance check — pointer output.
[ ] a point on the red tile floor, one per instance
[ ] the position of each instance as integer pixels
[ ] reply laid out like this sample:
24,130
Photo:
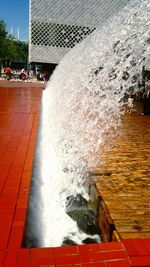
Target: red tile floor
19,113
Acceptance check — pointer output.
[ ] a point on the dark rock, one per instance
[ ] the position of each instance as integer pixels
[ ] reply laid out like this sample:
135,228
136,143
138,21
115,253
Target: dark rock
89,240
80,211
87,222
75,201
68,242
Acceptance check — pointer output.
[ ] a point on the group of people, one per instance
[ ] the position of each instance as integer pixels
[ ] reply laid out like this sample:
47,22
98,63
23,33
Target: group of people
41,76
9,74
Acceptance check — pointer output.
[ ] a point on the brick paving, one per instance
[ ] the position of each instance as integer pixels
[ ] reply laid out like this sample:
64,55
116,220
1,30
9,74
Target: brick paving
19,113
123,178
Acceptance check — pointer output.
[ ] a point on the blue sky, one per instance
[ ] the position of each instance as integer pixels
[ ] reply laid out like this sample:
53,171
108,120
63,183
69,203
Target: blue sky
15,13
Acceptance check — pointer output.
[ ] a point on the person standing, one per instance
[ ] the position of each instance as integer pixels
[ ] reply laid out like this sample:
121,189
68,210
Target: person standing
8,73
23,74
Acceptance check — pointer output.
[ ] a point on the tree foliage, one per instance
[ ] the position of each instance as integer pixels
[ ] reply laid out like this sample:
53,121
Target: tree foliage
10,48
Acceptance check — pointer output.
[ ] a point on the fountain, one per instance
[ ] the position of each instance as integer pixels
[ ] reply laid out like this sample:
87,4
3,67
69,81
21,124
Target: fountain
81,104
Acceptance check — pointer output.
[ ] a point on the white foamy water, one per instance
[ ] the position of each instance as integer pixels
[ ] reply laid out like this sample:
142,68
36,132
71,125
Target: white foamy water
82,102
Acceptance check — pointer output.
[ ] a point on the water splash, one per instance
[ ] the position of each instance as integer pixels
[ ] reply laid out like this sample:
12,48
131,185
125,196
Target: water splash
80,105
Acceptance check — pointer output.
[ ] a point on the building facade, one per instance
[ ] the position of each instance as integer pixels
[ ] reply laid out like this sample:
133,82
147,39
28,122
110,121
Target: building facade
58,25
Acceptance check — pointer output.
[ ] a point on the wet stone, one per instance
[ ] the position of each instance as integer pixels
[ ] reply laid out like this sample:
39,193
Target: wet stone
80,211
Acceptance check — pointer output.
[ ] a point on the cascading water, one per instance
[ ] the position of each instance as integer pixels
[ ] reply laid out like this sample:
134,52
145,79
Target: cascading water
80,105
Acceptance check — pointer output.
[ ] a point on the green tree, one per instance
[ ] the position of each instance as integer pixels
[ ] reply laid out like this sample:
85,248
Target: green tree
10,48
3,35
3,32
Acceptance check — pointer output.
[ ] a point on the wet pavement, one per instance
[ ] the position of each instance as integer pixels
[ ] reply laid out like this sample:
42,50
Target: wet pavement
122,181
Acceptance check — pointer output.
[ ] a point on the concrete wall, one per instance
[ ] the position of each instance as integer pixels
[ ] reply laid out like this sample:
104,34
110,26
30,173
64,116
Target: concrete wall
57,25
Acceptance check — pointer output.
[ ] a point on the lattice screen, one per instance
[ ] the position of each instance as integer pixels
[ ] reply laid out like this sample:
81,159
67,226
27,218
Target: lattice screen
61,35
57,25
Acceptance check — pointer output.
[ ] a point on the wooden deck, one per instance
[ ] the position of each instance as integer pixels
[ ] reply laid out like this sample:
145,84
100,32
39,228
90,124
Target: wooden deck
19,113
123,179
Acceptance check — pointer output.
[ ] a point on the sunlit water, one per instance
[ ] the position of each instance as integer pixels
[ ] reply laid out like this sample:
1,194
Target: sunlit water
80,105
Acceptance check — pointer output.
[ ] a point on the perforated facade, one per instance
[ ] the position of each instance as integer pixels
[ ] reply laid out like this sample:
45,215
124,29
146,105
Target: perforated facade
57,25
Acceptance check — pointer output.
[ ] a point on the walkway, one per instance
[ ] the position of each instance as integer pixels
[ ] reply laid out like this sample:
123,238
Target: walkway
123,179
19,113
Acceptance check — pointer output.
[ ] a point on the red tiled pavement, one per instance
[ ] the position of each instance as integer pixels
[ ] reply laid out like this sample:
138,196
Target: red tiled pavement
19,112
